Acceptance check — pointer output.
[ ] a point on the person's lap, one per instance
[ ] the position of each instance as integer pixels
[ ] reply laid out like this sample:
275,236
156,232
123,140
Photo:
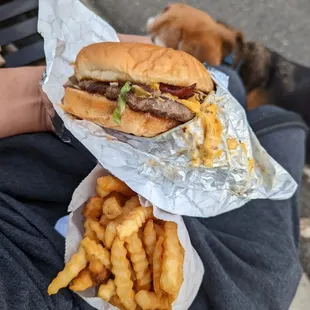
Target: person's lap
254,249
250,254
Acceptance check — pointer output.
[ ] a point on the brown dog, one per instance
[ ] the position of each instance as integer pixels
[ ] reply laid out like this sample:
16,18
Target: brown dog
268,77
185,28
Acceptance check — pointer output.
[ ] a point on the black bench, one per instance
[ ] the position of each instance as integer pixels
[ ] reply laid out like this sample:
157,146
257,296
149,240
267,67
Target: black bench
21,43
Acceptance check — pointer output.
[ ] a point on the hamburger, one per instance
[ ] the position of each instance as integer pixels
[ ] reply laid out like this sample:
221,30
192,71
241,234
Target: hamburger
141,89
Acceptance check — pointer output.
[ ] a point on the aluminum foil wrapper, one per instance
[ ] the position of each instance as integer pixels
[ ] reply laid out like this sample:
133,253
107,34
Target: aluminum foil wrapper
192,268
160,169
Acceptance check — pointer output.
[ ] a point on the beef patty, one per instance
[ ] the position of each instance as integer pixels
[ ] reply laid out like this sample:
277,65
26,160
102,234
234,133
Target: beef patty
160,106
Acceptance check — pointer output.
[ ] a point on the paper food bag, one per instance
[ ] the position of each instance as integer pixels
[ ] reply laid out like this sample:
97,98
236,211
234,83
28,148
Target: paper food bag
193,268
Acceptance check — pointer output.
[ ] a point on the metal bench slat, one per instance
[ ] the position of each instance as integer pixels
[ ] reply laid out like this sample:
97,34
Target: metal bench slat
16,7
26,55
18,31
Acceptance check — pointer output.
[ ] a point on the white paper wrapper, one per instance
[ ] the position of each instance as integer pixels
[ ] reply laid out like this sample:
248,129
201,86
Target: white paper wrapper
160,169
193,267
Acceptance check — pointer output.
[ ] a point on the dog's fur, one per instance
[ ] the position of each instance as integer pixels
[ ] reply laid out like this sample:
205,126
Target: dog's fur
185,28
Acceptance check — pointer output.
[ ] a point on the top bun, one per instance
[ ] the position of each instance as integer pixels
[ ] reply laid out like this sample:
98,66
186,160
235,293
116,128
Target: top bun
142,63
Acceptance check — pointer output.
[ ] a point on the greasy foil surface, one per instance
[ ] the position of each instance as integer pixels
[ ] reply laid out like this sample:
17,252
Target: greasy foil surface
160,169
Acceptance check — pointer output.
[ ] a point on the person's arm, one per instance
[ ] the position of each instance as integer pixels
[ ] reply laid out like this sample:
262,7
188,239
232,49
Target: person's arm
134,38
22,103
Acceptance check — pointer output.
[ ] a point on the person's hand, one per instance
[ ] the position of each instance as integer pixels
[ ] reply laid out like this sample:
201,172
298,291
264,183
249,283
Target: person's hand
24,107
134,38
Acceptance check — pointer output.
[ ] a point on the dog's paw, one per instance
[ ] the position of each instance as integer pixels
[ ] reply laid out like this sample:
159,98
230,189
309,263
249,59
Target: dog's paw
158,41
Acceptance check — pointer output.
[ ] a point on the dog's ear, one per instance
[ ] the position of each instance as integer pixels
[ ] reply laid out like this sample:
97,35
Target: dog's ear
239,48
227,47
239,37
232,41
239,40
165,9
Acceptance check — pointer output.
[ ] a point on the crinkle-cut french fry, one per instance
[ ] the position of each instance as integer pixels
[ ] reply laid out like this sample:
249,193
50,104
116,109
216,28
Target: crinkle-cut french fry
88,232
104,221
101,192
157,265
139,261
120,269
159,230
98,271
98,251
149,239
97,228
110,183
77,262
106,291
82,282
110,232
130,204
173,297
115,301
151,301
133,221
119,197
93,208
172,268
132,272
112,208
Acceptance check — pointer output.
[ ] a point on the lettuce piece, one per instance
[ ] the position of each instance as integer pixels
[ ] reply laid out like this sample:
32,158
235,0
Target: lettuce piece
121,103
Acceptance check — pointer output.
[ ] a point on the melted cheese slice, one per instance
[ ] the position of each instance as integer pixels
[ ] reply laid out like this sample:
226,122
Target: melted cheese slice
191,103
154,85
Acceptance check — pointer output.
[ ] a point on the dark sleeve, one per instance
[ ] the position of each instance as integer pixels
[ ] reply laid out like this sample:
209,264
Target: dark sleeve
250,254
38,174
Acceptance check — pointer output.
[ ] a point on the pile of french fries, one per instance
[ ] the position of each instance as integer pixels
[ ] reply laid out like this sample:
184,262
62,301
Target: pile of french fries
134,259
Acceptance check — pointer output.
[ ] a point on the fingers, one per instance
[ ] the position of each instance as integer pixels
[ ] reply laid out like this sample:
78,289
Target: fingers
134,38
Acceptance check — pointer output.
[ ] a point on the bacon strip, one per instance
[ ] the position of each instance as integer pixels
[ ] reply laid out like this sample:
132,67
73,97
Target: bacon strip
180,92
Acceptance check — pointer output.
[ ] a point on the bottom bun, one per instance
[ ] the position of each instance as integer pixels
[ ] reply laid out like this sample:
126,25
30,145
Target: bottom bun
99,109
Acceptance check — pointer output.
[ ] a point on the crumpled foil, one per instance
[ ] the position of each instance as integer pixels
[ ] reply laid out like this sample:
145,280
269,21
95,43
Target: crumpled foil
160,169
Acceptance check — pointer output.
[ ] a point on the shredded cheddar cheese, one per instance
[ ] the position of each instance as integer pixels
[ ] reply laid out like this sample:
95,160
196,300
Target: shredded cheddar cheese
212,131
251,163
154,85
207,113
232,143
244,147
